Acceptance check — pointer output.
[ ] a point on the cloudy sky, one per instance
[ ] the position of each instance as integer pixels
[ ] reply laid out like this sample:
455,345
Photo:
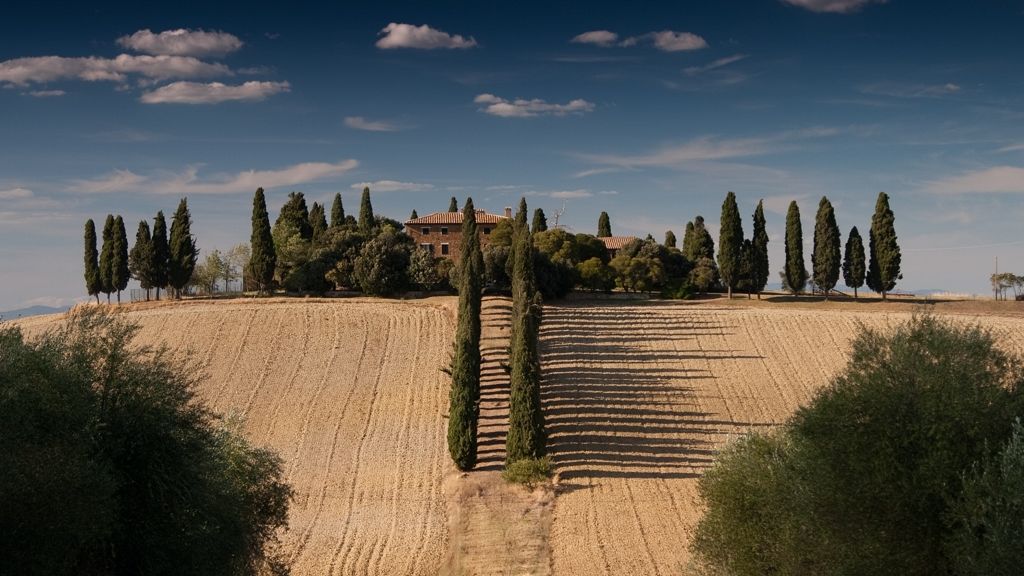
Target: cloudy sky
648,112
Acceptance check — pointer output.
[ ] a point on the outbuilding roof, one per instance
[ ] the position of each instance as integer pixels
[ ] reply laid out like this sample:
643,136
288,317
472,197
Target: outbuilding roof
616,242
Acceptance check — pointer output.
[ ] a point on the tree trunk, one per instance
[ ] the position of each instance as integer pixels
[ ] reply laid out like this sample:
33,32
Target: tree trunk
883,296
854,292
108,297
97,297
118,297
157,292
729,291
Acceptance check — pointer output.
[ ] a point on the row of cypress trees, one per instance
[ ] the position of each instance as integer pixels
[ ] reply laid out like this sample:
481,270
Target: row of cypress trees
155,261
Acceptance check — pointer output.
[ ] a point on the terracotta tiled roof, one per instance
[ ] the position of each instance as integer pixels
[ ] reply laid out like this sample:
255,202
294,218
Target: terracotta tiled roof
616,242
482,217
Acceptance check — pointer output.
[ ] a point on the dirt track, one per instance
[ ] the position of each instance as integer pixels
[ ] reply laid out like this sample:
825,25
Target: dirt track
639,396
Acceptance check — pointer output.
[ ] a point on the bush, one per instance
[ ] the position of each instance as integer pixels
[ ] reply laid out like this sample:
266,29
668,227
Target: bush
555,278
595,275
864,479
528,471
111,466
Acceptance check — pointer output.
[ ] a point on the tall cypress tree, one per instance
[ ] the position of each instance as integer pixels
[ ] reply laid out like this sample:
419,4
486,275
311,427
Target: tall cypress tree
825,259
414,215
884,265
670,239
745,270
161,253
140,259
526,436
295,215
453,205
317,221
853,261
540,221
521,213
337,212
92,267
795,272
703,245
604,226
464,397
263,259
366,219
183,252
759,252
688,241
730,243
119,271
107,258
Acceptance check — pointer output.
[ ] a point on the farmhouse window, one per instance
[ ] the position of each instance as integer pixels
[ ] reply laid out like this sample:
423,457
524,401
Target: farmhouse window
428,248
444,249
425,231
444,231
487,231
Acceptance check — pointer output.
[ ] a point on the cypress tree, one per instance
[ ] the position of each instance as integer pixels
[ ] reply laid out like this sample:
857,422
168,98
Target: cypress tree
521,213
337,212
703,245
161,253
540,221
759,252
745,270
884,265
796,274
730,242
140,260
107,258
183,253
526,437
604,226
670,239
119,271
295,215
317,221
688,242
414,215
92,267
263,259
464,397
453,205
853,261
825,261
366,220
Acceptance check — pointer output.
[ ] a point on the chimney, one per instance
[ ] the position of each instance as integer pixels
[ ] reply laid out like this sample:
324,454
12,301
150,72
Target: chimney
508,211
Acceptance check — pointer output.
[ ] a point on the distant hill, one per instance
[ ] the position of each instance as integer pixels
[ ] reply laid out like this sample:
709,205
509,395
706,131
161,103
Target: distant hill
32,311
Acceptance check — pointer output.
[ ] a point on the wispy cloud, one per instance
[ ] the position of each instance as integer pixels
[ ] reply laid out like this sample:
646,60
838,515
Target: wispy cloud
994,180
213,92
46,93
188,181
392,186
714,65
1011,148
182,42
42,69
901,90
360,123
522,108
833,6
396,35
664,40
15,194
597,38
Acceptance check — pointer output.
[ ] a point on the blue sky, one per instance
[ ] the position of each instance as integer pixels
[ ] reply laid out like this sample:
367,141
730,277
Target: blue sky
650,112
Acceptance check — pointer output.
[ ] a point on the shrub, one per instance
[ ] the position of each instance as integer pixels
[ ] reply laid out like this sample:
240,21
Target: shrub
595,275
528,471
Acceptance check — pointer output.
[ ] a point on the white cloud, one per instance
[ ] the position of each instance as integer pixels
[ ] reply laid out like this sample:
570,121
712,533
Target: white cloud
392,186
833,6
46,93
522,108
570,194
899,90
1011,148
423,37
360,123
181,42
188,181
213,92
15,194
40,69
670,41
596,37
998,179
695,70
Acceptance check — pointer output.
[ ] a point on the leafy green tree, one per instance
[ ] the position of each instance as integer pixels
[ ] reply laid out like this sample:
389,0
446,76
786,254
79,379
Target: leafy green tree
745,269
540,221
453,205
338,212
366,219
93,285
730,242
604,226
317,221
140,260
795,272
825,260
119,269
263,260
702,246
236,265
423,270
638,273
884,263
704,274
183,253
112,466
383,264
526,436
207,273
295,215
464,398
107,258
161,253
853,261
670,239
594,274
759,252
688,241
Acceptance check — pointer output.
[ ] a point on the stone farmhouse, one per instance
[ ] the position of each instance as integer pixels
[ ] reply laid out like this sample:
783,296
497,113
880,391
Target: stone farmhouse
440,233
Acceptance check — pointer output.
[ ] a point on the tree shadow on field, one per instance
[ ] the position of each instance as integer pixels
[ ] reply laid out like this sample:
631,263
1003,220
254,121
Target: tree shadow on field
614,407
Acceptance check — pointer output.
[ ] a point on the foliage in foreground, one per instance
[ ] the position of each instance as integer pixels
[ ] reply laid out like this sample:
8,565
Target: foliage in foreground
869,478
528,471
111,466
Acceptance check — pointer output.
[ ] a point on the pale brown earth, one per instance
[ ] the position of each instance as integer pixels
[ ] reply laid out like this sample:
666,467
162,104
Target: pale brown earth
350,394
638,396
